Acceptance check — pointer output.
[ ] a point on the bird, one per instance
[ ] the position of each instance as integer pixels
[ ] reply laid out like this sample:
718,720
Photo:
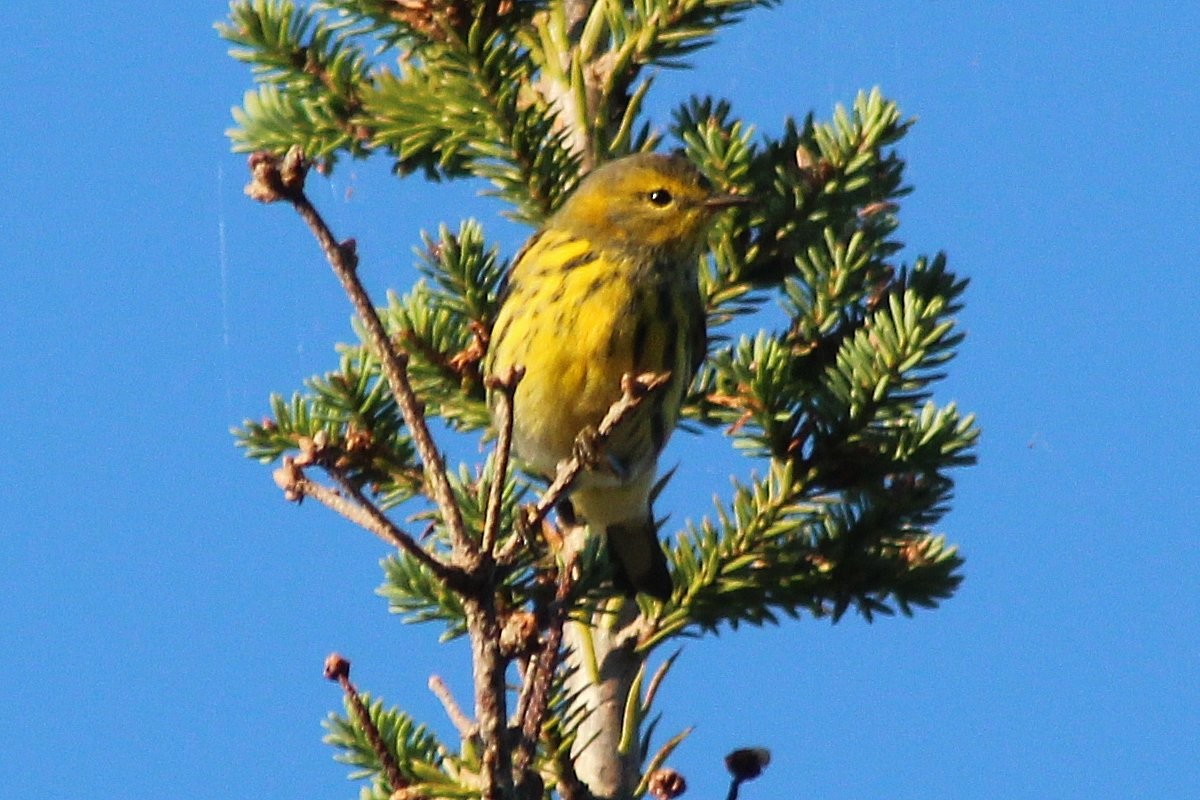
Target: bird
609,287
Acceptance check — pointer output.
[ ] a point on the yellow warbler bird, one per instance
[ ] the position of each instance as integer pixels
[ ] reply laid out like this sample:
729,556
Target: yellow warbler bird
607,287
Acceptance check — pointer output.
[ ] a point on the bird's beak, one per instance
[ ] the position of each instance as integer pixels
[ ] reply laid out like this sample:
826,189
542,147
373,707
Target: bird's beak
718,201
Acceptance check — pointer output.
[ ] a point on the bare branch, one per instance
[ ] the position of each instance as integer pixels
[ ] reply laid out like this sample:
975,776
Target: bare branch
454,577
466,728
357,509
504,386
276,179
337,668
539,676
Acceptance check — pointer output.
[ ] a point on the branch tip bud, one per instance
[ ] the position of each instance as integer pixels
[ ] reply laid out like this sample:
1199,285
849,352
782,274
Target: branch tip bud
666,784
274,178
288,478
747,763
336,667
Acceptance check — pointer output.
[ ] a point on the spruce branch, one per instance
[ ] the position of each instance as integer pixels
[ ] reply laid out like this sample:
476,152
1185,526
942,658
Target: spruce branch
311,75
490,124
381,742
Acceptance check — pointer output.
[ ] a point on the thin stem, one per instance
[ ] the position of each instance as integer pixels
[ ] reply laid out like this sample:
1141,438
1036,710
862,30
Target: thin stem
504,386
464,725
453,576
337,669
541,671
359,510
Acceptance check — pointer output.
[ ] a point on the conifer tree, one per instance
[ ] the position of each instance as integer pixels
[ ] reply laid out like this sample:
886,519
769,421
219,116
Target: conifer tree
849,458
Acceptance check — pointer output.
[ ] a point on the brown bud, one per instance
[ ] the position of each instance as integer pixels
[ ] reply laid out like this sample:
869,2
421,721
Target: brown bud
314,449
336,667
308,451
292,170
877,208
914,553
432,18
287,477
274,178
357,440
747,763
265,185
666,784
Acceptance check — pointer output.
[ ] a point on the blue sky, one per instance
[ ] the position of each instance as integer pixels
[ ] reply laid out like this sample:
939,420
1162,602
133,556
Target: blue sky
166,613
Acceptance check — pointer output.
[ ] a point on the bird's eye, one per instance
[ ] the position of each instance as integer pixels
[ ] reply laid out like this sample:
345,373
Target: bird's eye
660,197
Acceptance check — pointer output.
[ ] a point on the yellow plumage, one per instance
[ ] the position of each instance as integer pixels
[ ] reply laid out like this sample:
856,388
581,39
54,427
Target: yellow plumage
609,287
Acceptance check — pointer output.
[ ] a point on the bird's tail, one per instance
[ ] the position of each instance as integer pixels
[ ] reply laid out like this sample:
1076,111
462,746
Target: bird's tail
639,563
623,515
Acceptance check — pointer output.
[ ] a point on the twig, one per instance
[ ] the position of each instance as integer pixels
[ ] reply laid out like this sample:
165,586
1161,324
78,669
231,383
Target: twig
634,389
467,729
539,676
296,486
276,179
337,669
454,577
535,693
504,386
